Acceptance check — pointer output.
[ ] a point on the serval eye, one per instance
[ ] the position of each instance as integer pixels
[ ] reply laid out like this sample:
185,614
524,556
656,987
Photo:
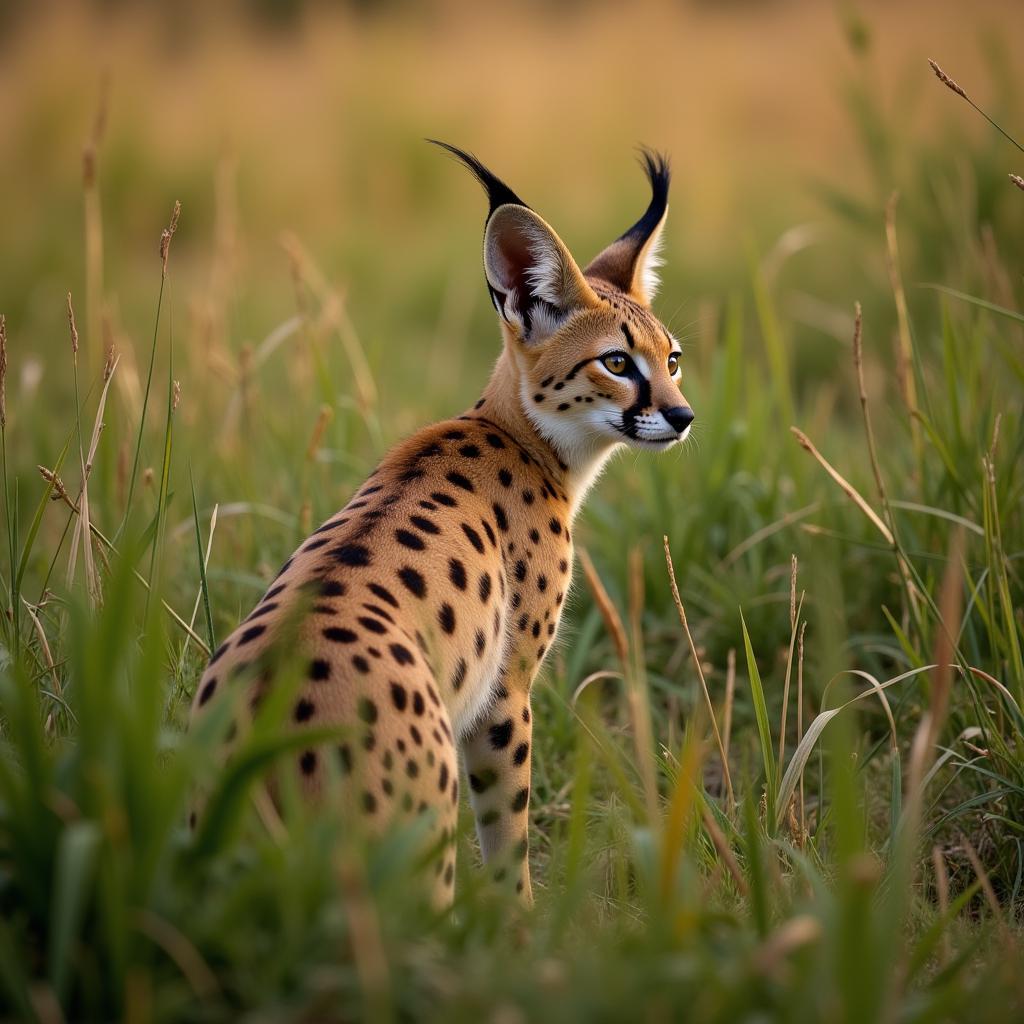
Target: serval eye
616,363
673,363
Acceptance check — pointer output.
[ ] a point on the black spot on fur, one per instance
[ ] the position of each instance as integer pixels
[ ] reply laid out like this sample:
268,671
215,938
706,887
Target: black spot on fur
399,697
352,554
494,441
367,710
500,517
209,687
413,580
501,734
474,537
458,480
373,625
555,527
479,642
339,634
383,593
401,654
361,664
520,570
418,704
457,573
333,588
485,587
522,751
308,762
505,478
444,499
409,540
425,524
304,710
319,670
251,634
459,675
470,451
446,617
520,800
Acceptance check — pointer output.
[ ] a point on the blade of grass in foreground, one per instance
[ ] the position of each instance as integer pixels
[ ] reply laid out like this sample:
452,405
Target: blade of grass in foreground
202,564
763,728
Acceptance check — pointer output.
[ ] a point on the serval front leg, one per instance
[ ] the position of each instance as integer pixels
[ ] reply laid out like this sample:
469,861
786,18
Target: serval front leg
497,758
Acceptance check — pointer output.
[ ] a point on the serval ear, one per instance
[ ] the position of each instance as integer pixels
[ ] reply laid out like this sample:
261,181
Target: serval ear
630,263
533,280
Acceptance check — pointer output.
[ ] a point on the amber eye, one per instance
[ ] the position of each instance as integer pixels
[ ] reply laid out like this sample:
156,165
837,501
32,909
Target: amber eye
616,363
673,363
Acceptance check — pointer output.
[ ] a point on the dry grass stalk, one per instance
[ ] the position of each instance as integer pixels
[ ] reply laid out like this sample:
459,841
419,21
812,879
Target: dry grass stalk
167,234
986,885
794,612
62,494
610,614
725,854
955,87
858,363
700,673
848,489
3,371
905,352
44,646
1018,181
179,949
93,221
636,688
206,565
81,536
730,700
942,893
365,936
930,726
322,420
800,716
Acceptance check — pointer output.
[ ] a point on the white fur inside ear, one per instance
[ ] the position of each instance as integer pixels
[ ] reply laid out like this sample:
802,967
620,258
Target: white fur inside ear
546,274
650,259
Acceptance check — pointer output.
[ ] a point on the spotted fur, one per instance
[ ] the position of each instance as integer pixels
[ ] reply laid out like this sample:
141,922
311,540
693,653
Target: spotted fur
422,611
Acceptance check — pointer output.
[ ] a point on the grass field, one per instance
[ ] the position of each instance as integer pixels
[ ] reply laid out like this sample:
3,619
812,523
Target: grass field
712,838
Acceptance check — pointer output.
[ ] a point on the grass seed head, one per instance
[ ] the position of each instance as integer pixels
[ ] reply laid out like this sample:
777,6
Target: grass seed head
945,79
1018,181
167,234
72,327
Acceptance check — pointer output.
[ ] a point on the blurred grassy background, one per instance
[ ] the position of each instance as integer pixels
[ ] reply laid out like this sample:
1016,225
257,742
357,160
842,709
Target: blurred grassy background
325,298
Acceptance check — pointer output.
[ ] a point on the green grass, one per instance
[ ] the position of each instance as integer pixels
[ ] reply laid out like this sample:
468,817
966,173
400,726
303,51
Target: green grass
872,864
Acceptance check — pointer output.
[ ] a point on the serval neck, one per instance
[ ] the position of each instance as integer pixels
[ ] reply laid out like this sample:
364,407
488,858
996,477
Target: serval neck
572,471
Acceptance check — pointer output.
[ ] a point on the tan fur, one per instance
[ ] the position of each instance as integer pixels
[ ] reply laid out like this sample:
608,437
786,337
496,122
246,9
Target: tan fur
425,607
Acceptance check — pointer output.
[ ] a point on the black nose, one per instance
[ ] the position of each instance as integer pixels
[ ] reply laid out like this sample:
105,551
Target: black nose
679,417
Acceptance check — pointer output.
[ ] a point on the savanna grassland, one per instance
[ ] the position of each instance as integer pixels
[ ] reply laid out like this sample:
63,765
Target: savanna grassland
713,839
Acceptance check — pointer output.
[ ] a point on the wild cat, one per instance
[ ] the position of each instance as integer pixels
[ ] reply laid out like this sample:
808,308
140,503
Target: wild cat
426,605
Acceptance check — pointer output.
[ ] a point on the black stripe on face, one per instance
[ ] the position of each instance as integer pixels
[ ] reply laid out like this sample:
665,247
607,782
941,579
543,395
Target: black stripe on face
628,336
643,399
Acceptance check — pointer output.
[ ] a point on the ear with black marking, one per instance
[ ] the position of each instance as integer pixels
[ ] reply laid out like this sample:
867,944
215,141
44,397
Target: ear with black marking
533,280
630,263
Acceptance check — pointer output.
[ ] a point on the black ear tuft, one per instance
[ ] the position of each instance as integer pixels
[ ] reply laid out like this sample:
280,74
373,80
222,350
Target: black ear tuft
659,175
498,193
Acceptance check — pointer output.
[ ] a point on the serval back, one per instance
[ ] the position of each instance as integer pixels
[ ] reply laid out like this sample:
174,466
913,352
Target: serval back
424,608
